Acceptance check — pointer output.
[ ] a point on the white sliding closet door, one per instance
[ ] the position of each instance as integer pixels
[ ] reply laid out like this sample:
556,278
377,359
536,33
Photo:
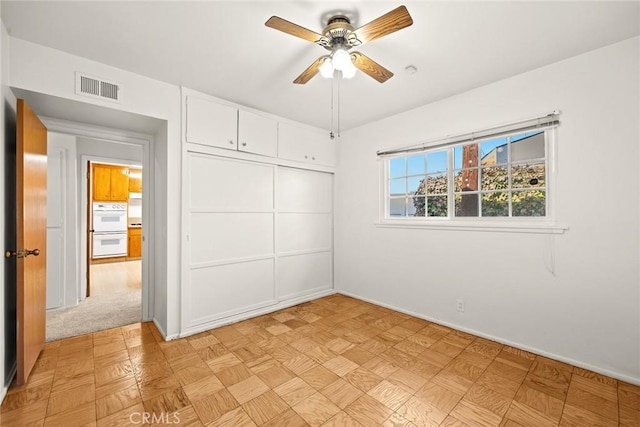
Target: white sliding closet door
304,230
230,238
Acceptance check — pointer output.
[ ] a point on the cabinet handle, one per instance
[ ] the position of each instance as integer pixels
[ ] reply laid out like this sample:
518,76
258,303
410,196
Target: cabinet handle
306,157
313,158
244,144
231,141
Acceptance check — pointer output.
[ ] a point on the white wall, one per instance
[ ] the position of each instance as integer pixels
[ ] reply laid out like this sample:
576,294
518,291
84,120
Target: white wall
63,250
588,313
141,95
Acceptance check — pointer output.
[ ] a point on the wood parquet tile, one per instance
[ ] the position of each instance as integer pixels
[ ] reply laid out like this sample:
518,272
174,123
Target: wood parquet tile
332,362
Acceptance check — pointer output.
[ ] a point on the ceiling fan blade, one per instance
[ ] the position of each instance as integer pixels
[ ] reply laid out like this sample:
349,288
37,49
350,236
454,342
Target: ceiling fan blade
388,23
293,29
370,67
310,72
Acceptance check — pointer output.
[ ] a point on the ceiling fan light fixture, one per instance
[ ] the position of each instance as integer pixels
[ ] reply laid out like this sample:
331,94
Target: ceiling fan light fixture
326,69
341,59
349,71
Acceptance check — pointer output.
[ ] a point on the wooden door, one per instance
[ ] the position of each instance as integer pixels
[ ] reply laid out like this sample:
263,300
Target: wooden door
119,184
101,183
31,189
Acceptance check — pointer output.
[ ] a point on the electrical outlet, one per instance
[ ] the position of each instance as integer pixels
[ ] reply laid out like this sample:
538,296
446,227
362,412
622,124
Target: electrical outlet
460,305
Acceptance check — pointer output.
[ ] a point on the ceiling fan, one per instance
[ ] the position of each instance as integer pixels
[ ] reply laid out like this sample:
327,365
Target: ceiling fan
339,37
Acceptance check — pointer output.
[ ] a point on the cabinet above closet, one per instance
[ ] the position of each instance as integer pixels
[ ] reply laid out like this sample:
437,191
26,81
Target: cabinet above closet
217,124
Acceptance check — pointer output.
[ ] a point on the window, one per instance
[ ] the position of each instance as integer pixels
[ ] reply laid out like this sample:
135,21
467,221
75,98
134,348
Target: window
500,177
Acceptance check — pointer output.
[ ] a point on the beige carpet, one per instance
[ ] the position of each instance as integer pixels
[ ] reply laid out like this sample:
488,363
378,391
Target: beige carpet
95,314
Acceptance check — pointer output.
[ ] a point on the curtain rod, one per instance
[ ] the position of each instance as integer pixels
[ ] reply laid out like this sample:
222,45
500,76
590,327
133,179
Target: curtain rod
538,123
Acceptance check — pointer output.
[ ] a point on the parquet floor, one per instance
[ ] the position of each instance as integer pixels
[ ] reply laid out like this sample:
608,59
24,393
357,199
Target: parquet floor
335,361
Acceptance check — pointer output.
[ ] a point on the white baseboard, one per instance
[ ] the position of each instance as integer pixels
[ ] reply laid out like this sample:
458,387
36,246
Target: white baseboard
160,329
612,374
254,313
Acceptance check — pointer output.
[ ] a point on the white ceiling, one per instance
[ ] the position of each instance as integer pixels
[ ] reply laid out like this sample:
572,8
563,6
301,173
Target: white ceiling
223,48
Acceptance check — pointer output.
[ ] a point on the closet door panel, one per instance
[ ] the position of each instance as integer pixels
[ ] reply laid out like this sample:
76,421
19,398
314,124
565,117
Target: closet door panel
226,290
305,273
303,232
218,237
304,191
223,185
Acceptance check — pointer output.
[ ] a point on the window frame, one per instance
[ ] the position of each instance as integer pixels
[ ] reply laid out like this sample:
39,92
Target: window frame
543,225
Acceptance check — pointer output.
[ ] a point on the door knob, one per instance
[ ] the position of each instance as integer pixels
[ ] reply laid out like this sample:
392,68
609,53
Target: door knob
17,254
34,252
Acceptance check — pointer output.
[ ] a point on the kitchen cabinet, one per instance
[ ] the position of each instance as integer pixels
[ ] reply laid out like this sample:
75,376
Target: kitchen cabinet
135,180
307,145
217,125
134,235
110,183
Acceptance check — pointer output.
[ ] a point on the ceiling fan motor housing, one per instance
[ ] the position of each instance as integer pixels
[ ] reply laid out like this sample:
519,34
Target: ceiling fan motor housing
338,33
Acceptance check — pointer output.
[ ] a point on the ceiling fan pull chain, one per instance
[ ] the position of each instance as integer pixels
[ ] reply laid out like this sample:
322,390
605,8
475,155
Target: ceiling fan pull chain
332,134
338,83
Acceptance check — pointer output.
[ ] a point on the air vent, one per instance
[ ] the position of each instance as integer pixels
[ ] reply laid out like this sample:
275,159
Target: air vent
96,87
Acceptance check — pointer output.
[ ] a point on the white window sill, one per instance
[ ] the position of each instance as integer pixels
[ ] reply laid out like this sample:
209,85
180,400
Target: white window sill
536,227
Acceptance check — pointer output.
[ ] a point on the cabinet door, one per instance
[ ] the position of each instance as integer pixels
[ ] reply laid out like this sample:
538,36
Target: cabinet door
135,180
135,242
119,184
257,134
101,183
212,124
305,145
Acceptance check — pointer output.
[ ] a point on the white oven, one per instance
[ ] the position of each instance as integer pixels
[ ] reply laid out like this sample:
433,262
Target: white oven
109,217
109,245
109,230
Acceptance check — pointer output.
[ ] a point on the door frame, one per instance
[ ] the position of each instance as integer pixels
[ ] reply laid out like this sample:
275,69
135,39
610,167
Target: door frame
110,135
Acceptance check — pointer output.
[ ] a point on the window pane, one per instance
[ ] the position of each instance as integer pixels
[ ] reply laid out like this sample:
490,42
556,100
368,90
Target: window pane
416,206
494,178
528,176
465,156
457,157
437,206
398,187
415,165
437,184
397,207
527,146
528,203
467,204
437,161
494,151
466,180
397,167
495,204
415,185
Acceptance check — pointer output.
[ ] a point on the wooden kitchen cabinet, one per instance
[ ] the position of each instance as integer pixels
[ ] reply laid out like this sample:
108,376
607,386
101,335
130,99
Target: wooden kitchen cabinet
110,183
134,242
135,180
101,183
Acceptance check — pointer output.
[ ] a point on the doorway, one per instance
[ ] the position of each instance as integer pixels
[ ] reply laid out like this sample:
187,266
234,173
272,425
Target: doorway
112,281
